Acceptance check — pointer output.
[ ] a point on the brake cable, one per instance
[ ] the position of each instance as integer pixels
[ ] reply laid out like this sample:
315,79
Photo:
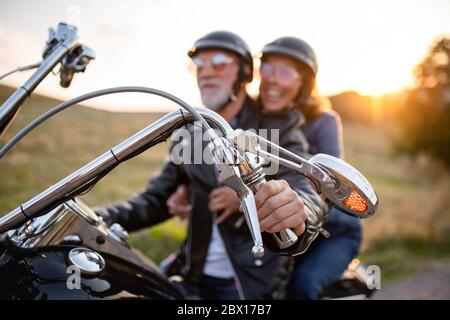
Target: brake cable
69,103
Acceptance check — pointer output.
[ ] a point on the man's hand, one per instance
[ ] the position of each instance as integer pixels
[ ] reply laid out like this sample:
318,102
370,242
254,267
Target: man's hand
279,207
178,203
226,199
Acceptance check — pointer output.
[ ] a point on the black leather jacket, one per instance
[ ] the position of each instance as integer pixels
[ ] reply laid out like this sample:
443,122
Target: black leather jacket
264,278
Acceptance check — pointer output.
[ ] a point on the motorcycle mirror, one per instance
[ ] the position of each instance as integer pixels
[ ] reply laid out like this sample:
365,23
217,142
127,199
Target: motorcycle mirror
352,193
75,61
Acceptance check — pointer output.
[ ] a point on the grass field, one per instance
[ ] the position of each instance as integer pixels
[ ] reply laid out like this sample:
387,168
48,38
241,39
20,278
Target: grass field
411,228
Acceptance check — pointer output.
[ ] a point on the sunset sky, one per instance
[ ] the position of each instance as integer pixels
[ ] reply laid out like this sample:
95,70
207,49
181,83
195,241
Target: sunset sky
367,46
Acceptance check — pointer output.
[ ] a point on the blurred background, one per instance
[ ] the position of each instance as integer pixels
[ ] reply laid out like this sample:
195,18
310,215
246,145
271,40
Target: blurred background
385,65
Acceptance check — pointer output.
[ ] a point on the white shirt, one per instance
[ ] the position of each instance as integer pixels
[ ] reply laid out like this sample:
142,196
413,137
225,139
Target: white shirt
217,263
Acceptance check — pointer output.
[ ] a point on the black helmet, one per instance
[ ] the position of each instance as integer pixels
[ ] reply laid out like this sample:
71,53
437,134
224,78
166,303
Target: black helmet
294,48
230,42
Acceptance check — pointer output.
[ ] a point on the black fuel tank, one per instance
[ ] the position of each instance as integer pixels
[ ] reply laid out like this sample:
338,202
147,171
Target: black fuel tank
46,274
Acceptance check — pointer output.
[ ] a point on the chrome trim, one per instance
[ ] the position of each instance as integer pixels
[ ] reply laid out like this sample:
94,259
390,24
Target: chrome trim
345,170
117,232
84,211
72,239
13,219
55,226
88,261
348,179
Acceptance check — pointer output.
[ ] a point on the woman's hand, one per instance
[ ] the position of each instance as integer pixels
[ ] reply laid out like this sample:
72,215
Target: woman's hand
178,203
223,198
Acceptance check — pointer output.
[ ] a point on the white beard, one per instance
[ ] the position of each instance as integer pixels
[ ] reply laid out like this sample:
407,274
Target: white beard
215,101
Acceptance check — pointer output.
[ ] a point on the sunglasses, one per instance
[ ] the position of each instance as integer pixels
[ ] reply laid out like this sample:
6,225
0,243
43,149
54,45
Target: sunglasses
218,62
283,74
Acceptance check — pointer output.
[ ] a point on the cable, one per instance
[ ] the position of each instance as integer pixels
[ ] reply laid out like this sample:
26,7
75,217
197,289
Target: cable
89,184
28,67
22,133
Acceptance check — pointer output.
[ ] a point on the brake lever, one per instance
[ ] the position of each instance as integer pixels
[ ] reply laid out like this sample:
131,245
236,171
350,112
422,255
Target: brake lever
227,158
247,201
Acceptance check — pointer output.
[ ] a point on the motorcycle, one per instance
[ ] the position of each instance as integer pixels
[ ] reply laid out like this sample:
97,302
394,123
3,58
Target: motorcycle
54,236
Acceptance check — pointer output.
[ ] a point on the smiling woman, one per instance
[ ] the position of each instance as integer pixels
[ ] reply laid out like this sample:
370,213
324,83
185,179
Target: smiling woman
288,71
280,82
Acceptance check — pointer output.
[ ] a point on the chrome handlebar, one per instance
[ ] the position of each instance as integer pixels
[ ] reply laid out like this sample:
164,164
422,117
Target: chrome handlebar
47,199
229,149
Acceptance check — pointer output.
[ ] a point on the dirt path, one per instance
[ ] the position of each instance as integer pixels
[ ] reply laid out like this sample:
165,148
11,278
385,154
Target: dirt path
433,283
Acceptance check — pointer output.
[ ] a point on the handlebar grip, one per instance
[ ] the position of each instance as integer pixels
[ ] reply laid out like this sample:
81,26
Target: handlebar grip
284,238
66,77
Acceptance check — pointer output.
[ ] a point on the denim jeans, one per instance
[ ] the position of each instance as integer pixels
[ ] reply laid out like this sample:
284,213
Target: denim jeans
212,288
327,258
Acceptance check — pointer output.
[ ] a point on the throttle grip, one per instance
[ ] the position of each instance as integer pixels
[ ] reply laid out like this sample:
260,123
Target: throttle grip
254,177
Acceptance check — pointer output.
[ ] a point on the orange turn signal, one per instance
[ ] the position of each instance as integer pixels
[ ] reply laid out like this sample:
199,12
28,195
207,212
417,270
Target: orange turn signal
355,202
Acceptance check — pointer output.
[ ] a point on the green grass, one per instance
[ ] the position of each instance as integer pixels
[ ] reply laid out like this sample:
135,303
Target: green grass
411,227
159,241
399,257
412,224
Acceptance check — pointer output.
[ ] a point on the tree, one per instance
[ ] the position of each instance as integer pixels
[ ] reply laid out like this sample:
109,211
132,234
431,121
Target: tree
425,117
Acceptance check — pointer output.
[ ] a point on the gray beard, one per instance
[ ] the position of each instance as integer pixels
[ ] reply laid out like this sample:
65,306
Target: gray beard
215,102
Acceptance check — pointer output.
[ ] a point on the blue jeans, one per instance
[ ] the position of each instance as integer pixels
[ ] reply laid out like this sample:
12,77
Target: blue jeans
212,288
326,259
